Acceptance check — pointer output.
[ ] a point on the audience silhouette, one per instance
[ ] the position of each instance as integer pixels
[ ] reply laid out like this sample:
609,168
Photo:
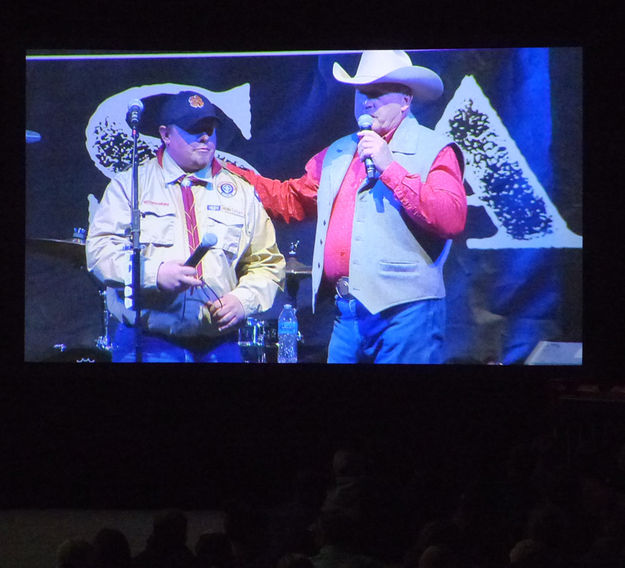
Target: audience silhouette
75,553
167,545
111,549
214,550
535,503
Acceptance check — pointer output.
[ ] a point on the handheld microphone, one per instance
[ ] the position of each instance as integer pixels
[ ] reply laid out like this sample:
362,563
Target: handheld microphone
365,122
209,240
135,108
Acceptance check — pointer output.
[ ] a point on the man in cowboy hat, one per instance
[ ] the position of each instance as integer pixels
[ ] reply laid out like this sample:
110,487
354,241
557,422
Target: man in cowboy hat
189,313
382,236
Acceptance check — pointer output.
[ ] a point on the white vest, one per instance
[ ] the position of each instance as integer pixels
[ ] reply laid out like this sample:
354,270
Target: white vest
391,260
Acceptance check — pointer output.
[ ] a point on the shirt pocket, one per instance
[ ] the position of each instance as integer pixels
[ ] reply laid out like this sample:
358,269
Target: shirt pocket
158,225
228,229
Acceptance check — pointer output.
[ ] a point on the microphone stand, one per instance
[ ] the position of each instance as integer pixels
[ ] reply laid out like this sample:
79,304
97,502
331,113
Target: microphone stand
135,232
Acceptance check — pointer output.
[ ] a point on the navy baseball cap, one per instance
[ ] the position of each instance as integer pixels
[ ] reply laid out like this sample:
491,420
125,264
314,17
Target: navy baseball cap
189,110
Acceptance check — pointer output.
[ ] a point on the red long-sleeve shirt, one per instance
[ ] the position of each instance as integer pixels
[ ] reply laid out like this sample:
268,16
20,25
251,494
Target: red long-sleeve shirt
438,204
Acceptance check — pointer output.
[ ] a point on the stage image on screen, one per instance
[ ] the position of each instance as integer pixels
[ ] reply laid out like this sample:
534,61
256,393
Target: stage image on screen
512,277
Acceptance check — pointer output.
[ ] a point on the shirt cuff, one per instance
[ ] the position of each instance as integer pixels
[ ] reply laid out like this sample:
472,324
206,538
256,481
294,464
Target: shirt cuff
247,299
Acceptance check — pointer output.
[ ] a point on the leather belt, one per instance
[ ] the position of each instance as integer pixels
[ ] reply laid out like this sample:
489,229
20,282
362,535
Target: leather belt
342,287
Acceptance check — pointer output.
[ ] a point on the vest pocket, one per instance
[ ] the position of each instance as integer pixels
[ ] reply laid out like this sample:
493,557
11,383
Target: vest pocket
398,267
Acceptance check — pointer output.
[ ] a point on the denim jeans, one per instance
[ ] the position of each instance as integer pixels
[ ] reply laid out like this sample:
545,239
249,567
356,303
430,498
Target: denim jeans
158,349
410,333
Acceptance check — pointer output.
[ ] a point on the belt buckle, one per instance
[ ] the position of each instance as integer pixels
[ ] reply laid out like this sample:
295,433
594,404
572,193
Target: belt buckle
342,287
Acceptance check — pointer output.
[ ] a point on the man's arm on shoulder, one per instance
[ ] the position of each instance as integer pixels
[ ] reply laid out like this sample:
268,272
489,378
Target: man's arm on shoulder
292,199
439,203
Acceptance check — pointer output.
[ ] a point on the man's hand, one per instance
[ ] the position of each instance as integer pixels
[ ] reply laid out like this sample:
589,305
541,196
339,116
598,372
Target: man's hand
372,145
174,276
230,314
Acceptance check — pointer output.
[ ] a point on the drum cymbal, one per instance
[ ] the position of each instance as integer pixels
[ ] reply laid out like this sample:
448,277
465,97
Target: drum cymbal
295,268
68,249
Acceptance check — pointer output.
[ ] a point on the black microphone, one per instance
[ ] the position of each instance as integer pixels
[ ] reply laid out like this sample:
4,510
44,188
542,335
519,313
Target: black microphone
209,240
365,122
135,108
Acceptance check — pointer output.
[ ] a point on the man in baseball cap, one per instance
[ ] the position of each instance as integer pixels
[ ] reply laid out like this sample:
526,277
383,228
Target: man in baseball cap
190,313
389,199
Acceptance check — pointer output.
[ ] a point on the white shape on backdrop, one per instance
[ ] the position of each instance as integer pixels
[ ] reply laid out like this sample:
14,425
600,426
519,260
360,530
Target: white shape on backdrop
500,177
108,137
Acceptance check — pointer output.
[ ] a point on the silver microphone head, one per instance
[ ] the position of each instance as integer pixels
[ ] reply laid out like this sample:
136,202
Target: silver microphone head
136,103
365,122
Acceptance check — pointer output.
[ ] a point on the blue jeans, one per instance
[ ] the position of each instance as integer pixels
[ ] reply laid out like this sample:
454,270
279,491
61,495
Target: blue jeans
159,349
410,333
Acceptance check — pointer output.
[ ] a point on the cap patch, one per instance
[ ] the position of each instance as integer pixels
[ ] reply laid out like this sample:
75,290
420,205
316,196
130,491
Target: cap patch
195,101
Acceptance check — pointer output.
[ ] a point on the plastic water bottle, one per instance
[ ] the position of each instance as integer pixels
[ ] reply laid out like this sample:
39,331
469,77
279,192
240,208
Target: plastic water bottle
287,335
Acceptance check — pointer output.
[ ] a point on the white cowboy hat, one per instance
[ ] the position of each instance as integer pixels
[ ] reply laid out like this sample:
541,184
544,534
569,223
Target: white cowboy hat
393,66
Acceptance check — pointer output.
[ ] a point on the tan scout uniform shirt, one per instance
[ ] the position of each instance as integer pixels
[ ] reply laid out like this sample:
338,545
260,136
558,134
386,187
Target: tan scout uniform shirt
245,261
